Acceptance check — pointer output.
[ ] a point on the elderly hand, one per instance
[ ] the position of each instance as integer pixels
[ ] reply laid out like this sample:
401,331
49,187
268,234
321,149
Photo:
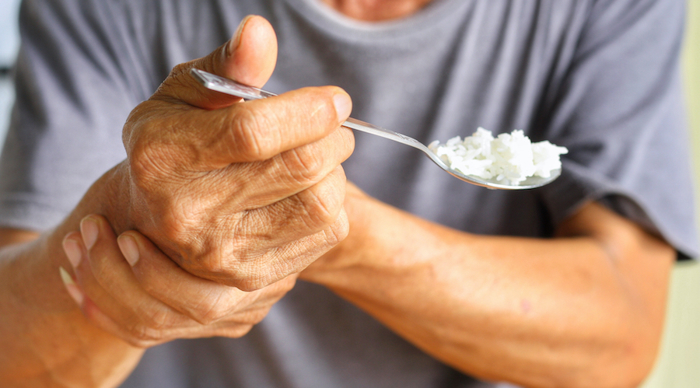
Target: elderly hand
241,193
144,298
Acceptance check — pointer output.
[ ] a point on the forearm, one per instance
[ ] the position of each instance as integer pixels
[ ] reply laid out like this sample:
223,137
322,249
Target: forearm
537,312
46,340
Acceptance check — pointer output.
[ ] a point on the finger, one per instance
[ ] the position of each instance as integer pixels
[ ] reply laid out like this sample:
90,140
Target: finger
109,283
265,262
295,256
259,130
104,310
77,252
265,299
292,171
306,213
274,234
202,300
220,329
262,233
255,185
249,57
255,131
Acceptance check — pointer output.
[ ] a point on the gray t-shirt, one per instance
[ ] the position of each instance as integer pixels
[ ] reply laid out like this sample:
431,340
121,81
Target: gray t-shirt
599,77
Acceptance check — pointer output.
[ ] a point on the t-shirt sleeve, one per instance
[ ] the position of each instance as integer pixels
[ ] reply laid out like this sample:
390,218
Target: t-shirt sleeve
73,97
618,108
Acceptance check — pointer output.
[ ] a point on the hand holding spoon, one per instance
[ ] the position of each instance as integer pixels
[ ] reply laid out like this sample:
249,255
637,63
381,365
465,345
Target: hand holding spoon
224,85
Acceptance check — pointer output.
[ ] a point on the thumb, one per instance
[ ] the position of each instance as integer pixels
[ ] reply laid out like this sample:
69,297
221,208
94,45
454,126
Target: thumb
249,57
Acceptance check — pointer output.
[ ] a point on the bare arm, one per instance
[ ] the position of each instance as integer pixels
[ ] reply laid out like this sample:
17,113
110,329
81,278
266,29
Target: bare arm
46,341
583,309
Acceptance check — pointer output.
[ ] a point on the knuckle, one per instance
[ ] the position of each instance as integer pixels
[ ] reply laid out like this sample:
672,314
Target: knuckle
210,309
251,135
179,69
322,204
134,126
317,211
245,266
173,226
346,143
338,231
224,268
175,80
211,264
147,162
304,166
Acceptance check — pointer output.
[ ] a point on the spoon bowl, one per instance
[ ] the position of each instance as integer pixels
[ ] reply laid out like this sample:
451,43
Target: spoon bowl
227,86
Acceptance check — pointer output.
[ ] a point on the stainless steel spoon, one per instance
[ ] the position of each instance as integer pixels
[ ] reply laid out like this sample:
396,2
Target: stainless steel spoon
224,85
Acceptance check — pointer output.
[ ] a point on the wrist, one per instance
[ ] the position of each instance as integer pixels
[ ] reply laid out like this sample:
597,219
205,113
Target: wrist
40,307
356,247
112,197
29,270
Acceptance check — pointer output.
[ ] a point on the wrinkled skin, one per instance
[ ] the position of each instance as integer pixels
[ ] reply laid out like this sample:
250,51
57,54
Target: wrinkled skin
229,200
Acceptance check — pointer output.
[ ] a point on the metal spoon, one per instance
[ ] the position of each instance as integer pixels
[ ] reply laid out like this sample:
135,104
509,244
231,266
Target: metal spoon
225,85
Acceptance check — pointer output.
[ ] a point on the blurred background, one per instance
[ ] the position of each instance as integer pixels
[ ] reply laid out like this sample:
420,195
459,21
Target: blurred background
9,43
679,361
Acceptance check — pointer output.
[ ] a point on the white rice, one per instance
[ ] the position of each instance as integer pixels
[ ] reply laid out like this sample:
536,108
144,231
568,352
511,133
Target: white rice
508,158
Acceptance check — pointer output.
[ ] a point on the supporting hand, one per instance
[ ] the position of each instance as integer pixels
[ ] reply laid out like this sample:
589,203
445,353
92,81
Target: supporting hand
129,288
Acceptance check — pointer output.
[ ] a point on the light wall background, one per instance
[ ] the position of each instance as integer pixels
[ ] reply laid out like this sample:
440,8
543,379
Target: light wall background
679,361
678,365
9,43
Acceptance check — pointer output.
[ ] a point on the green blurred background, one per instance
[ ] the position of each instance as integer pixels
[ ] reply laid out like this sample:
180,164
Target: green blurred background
678,365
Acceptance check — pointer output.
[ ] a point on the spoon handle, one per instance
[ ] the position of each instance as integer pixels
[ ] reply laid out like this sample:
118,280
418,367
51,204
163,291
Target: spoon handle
225,85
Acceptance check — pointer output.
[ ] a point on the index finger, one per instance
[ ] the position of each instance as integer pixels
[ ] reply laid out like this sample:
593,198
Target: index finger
259,130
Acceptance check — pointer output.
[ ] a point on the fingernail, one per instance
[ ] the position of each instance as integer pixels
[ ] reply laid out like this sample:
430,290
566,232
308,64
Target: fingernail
73,252
233,43
343,105
129,249
88,228
71,287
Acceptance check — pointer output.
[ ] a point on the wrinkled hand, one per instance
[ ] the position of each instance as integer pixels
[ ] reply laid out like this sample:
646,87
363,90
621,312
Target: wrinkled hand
347,253
144,298
242,193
